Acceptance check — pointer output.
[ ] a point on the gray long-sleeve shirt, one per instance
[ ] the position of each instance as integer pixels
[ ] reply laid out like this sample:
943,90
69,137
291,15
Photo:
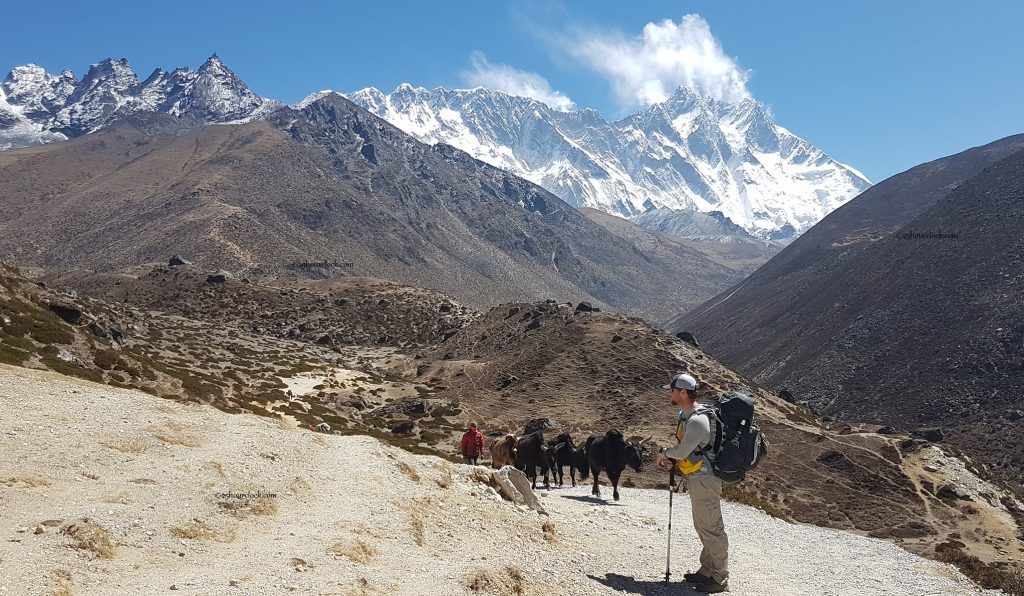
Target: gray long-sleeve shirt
696,432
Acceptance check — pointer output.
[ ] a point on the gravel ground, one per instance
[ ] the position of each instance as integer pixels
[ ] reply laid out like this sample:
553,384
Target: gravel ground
348,515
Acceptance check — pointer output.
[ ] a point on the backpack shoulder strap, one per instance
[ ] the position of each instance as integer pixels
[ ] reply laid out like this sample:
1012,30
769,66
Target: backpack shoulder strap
713,445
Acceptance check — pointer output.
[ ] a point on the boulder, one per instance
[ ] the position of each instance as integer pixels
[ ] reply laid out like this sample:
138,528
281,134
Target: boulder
952,492
690,339
68,313
515,486
932,435
219,277
584,307
534,324
104,329
541,424
404,428
887,430
784,394
177,261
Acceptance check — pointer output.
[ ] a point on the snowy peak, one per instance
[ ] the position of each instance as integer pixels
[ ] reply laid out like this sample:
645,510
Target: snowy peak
36,91
218,95
37,107
686,153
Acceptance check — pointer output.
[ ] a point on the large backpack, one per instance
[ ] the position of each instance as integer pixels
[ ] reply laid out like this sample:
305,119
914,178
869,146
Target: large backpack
738,443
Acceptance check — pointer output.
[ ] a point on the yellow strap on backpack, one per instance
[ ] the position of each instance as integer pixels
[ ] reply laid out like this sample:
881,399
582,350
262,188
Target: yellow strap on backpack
686,468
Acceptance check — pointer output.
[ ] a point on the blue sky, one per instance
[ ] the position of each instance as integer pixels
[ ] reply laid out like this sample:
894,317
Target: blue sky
882,86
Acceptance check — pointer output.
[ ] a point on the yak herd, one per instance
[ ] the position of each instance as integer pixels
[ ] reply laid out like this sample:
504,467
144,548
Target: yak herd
608,452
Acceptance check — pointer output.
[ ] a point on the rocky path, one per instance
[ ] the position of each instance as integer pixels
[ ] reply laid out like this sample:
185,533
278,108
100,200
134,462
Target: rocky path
108,491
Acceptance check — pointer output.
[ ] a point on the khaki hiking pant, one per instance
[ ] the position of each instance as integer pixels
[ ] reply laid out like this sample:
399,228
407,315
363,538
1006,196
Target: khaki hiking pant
706,501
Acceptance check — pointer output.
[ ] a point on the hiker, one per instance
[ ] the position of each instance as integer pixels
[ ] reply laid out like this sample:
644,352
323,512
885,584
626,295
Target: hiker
693,432
472,446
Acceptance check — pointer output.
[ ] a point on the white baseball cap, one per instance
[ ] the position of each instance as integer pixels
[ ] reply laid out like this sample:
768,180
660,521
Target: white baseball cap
682,381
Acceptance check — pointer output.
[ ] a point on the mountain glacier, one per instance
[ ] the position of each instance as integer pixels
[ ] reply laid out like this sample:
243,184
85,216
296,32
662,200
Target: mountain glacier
687,153
38,107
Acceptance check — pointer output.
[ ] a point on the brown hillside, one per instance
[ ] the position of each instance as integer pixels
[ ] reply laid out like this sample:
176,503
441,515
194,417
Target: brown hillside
331,185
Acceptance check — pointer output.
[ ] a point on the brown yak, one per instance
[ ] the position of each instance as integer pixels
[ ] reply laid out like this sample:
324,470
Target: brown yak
503,451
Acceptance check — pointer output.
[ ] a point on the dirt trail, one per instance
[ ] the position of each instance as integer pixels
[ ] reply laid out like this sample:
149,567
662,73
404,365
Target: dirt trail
187,498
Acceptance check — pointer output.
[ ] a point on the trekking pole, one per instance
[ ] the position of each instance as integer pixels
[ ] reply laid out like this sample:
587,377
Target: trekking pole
668,554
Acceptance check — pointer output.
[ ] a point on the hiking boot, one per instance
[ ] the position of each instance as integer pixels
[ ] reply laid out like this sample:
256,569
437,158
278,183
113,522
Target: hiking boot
712,587
696,578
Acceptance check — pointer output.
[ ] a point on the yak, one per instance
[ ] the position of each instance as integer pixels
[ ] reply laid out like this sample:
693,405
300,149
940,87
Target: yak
531,453
563,452
503,451
611,453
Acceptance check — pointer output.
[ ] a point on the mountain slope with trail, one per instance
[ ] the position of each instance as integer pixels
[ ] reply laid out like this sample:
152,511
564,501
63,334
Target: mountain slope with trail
161,496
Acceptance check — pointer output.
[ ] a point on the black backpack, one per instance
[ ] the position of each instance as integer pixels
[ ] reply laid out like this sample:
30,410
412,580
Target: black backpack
738,444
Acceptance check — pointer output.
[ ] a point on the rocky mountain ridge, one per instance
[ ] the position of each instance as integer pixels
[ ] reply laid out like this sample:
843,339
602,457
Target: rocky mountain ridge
38,107
689,153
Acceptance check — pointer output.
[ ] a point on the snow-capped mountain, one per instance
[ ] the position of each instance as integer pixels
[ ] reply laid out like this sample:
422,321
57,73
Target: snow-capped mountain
38,107
686,153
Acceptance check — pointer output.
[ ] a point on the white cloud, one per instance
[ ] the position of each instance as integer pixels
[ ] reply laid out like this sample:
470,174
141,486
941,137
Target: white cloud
513,81
647,69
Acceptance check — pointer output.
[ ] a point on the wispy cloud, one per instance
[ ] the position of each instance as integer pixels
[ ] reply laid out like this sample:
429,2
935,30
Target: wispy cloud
513,81
646,69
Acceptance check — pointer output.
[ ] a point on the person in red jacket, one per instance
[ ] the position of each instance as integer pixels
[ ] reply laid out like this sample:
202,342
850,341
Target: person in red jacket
472,444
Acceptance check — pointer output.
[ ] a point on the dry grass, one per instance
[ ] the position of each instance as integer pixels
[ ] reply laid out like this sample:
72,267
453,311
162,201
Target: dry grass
417,530
1010,581
357,552
299,486
408,470
63,580
510,581
361,587
197,529
217,467
173,433
34,480
130,445
301,565
89,536
549,531
118,498
243,502
446,478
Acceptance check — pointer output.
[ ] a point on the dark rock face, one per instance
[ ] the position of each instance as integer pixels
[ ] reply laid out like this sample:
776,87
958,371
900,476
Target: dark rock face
105,330
952,492
932,435
177,261
404,428
887,430
688,338
584,307
219,277
70,314
540,424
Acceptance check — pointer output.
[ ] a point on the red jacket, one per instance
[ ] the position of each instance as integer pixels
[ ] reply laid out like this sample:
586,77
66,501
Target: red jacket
472,443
